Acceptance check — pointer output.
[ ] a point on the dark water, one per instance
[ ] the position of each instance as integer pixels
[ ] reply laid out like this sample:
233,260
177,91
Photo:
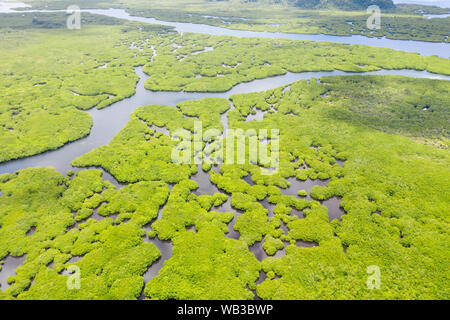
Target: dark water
334,209
165,247
269,206
249,180
306,244
258,251
109,121
422,47
226,207
205,186
9,266
439,16
438,3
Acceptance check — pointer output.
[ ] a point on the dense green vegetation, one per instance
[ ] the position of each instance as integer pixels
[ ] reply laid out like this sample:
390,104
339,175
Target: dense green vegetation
390,133
393,26
342,4
235,60
318,4
310,16
393,190
51,20
420,9
150,157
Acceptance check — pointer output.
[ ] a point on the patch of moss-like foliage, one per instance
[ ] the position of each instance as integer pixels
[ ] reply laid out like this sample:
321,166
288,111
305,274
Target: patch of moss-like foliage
401,21
83,186
139,202
206,110
184,209
111,255
272,245
49,76
312,273
206,265
235,60
416,108
393,190
31,198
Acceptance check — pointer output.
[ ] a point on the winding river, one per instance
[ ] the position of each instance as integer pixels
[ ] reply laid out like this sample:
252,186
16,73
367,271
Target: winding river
422,47
109,121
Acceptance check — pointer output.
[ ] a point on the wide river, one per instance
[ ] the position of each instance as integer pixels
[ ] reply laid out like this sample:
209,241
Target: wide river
423,47
109,121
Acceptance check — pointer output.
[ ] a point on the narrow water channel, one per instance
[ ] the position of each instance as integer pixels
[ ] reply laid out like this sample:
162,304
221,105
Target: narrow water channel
424,48
109,121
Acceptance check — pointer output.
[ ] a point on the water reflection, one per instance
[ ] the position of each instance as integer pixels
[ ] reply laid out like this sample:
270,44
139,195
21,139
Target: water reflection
205,186
109,121
421,47
9,267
